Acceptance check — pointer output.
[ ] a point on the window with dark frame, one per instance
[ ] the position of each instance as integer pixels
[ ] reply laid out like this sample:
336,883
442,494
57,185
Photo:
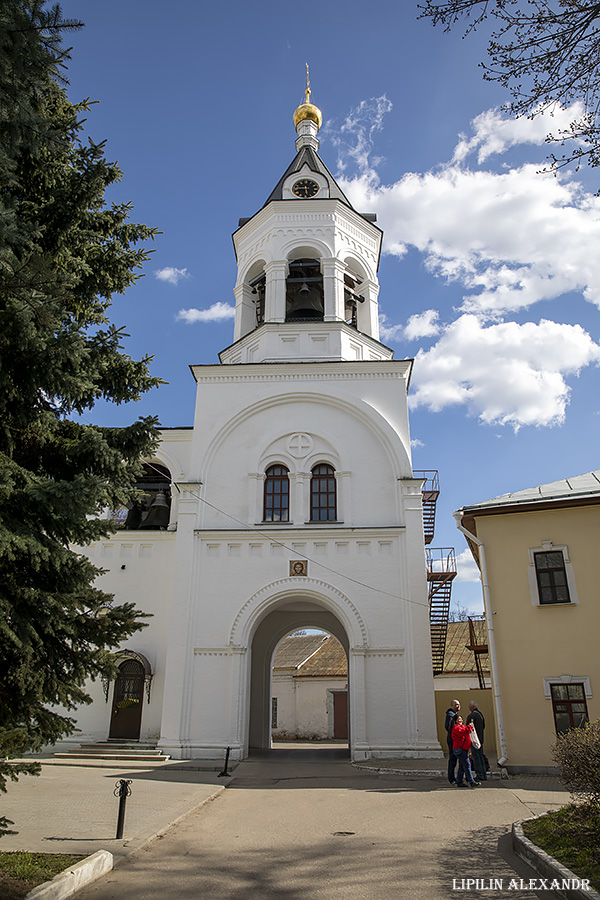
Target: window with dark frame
277,495
323,494
551,577
569,706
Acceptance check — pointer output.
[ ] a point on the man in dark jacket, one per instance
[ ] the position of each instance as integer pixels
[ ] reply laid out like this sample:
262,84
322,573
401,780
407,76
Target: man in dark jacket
476,718
451,714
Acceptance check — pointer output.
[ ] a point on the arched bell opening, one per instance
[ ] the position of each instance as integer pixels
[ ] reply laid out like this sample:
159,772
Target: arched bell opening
304,298
354,276
151,510
275,626
255,283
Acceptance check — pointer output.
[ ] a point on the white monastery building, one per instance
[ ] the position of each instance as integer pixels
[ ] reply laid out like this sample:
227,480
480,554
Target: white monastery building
291,503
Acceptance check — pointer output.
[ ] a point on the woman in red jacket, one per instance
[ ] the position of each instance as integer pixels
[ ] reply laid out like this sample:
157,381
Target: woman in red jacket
461,744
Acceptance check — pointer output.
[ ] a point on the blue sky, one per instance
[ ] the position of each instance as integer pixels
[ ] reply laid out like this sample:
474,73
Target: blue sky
490,276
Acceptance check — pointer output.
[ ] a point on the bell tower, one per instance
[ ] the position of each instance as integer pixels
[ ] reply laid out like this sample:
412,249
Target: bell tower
307,264
297,504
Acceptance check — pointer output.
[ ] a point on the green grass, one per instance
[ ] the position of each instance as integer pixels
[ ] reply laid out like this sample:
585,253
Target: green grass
572,836
20,871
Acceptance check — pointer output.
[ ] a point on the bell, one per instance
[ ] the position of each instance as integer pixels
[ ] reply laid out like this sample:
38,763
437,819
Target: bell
134,516
306,304
158,514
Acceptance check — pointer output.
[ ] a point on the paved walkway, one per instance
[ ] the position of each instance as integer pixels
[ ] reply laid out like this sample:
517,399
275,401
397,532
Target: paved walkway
72,809
294,824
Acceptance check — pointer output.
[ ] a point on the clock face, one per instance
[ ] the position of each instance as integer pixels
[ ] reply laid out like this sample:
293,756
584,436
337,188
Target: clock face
305,188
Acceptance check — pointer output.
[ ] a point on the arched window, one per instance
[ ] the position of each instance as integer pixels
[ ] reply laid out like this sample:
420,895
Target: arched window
277,494
152,508
304,291
323,494
259,286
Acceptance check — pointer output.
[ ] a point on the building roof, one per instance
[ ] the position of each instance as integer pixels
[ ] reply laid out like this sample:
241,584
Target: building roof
295,649
458,659
329,660
579,489
312,656
307,156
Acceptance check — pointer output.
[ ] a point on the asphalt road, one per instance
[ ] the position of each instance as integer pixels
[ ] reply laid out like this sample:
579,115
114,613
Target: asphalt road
297,828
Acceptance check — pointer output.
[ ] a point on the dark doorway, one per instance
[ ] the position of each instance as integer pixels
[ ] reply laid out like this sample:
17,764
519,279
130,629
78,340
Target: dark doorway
340,715
126,717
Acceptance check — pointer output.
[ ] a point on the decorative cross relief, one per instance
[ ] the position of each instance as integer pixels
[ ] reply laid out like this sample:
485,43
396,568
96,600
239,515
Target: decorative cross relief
300,445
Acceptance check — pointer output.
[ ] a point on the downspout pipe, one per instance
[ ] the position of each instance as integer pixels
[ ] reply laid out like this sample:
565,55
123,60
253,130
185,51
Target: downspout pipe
491,637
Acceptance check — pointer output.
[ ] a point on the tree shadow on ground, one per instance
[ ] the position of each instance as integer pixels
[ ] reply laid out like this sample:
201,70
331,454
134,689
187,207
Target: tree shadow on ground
343,866
487,853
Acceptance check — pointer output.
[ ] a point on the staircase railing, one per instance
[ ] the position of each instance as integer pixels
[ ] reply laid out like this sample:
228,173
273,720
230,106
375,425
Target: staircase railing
441,572
429,493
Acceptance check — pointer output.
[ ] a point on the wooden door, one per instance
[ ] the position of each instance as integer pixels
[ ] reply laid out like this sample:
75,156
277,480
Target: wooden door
340,715
126,718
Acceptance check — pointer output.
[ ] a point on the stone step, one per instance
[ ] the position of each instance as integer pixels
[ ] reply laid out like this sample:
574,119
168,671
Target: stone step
113,750
115,745
124,754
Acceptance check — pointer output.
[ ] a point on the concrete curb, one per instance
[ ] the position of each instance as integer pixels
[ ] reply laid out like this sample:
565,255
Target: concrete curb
388,770
71,880
547,866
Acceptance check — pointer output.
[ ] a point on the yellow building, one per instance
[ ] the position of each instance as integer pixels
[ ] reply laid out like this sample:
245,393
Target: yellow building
537,551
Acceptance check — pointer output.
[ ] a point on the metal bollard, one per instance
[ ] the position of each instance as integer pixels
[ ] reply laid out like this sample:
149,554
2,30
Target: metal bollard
225,773
122,791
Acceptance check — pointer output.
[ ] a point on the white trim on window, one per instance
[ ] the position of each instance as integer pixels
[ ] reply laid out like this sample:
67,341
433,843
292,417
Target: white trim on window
547,547
567,679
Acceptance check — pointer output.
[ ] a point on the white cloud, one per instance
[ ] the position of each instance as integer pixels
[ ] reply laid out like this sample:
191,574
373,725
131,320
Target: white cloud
354,138
415,442
423,324
496,131
511,238
215,313
420,325
466,567
387,331
171,275
507,373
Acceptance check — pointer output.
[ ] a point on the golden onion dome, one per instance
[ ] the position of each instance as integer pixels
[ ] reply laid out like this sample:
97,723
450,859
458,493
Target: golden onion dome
308,110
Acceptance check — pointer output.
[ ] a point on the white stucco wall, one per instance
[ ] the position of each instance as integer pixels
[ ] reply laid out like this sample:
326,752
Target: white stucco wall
304,706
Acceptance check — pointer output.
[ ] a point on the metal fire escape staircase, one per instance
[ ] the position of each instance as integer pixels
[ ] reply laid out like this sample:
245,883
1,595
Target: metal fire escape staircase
429,495
479,647
441,570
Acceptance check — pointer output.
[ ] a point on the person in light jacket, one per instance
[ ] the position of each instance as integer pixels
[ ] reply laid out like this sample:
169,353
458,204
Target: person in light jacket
477,719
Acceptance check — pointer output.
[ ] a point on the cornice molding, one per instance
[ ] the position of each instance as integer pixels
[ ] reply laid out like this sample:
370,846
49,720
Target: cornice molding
396,369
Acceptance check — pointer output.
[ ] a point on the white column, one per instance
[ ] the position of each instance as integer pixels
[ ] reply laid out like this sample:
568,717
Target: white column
333,288
256,491
359,745
245,310
368,312
344,498
299,511
180,652
276,273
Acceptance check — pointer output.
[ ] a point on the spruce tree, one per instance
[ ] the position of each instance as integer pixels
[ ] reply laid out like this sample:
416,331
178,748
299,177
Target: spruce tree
64,252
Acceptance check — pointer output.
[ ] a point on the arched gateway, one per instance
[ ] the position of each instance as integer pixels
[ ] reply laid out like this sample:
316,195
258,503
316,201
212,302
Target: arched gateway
276,611
293,500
